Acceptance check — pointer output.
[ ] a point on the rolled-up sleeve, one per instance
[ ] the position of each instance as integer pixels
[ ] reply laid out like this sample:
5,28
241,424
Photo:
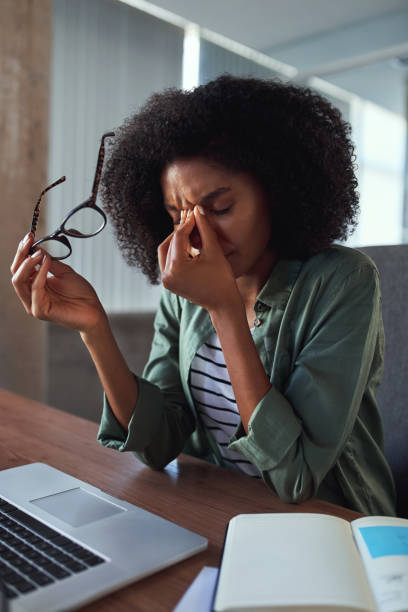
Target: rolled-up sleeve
296,434
161,421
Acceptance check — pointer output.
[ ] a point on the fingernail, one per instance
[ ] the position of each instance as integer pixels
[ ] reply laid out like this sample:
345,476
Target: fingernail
26,238
37,267
201,210
189,213
36,254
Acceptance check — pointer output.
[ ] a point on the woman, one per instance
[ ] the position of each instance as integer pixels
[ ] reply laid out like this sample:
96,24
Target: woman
268,344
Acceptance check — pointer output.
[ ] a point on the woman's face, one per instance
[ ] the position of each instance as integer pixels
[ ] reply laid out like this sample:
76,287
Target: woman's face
235,206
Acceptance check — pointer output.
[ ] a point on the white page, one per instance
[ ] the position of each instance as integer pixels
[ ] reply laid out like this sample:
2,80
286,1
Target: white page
295,561
199,595
383,544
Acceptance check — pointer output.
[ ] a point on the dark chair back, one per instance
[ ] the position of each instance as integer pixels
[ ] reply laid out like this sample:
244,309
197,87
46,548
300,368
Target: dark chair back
73,384
392,263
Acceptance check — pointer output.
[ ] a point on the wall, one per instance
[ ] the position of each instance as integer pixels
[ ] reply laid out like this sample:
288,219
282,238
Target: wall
25,36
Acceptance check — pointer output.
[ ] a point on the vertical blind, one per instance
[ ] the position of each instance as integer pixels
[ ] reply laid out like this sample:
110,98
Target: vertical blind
107,58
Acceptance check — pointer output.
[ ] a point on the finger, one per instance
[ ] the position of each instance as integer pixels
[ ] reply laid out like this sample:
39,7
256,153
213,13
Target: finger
57,268
162,252
38,288
59,273
181,246
21,279
22,252
170,257
189,221
208,237
191,224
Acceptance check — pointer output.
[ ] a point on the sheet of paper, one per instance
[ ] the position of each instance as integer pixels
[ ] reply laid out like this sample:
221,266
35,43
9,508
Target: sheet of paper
383,544
199,595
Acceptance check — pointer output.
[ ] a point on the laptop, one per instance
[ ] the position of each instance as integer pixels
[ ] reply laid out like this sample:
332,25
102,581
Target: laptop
64,543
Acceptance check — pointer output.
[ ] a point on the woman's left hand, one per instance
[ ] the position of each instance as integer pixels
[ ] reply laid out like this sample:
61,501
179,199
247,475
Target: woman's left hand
205,279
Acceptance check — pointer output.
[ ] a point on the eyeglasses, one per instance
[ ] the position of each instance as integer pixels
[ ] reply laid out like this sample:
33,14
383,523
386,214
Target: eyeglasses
83,221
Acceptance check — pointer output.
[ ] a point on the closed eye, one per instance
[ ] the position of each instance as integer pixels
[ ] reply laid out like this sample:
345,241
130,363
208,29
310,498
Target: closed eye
223,211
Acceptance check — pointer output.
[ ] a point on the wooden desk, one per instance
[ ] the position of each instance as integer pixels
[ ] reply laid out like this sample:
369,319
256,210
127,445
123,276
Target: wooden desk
190,492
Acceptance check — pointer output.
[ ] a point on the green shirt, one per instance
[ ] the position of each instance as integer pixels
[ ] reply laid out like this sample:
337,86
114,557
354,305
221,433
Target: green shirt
318,431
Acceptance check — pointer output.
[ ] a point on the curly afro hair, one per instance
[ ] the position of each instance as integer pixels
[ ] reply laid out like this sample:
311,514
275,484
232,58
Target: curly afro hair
293,141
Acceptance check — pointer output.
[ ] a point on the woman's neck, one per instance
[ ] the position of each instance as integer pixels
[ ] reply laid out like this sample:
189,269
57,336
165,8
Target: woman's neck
250,284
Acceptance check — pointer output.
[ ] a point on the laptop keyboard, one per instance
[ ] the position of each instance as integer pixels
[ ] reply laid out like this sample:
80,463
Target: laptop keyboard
33,555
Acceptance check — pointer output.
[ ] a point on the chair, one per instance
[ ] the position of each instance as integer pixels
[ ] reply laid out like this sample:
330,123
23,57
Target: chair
392,263
73,384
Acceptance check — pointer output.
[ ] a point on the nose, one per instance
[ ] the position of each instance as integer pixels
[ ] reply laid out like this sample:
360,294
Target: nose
195,238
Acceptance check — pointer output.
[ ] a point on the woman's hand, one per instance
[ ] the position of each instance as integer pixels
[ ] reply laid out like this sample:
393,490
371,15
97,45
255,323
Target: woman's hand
205,279
51,291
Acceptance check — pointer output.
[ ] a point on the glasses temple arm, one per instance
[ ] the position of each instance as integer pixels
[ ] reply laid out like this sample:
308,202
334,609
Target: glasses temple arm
36,213
99,166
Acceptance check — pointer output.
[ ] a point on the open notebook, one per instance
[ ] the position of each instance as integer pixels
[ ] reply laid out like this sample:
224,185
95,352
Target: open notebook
313,562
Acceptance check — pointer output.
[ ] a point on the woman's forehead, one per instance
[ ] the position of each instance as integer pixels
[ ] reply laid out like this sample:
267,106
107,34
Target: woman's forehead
193,177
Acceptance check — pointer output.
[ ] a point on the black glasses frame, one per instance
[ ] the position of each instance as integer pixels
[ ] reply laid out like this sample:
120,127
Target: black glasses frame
60,234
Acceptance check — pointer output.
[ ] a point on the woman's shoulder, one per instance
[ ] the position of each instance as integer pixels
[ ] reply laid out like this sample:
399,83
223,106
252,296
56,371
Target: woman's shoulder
340,260
336,269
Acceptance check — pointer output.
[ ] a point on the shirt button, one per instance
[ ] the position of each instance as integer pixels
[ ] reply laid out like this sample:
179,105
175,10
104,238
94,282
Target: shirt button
257,322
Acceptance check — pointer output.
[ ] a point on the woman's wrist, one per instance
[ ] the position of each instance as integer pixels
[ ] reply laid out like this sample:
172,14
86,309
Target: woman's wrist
99,330
232,308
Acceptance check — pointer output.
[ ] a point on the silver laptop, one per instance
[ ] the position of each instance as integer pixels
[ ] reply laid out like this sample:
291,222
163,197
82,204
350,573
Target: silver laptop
64,543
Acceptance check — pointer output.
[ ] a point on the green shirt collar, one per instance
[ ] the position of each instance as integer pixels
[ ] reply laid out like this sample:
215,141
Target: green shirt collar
279,285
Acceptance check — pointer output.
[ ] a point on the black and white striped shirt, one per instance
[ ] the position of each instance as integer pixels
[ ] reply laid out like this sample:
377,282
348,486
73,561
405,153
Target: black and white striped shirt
214,399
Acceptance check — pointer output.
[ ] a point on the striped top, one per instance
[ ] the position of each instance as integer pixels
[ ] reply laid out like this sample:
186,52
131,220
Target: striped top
214,400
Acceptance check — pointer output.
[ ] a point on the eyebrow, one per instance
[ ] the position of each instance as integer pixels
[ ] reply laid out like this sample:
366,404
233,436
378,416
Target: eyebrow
213,194
207,196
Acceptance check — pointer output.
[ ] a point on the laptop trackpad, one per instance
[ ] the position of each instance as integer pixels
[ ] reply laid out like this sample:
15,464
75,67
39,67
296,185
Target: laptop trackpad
77,507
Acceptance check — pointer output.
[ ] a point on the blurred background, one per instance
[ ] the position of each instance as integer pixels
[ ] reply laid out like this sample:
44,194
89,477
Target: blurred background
73,69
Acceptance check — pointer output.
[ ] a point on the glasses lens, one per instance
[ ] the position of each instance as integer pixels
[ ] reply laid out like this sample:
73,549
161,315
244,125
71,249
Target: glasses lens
85,222
55,248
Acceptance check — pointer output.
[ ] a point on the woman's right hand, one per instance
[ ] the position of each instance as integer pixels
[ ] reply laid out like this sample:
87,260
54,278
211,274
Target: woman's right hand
63,296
